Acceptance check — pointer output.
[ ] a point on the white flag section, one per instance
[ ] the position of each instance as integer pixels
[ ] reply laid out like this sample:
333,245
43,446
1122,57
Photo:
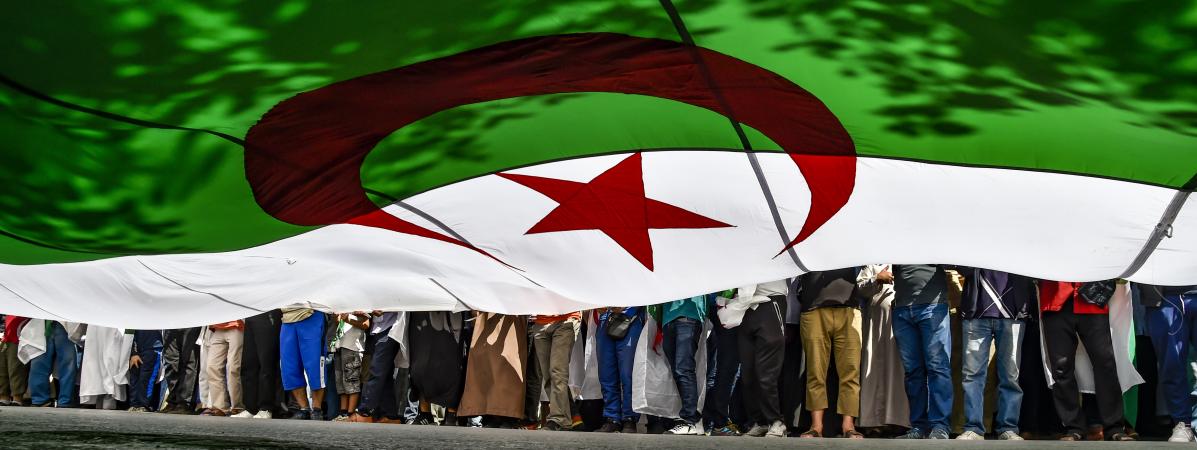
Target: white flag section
1043,225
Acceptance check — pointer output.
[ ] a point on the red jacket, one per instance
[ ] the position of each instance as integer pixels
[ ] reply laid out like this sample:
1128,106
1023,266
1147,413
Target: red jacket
1053,295
12,326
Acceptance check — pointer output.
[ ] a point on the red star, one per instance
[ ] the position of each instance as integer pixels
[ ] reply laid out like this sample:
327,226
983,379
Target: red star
614,203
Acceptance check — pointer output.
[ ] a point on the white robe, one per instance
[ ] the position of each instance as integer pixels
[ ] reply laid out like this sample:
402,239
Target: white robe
105,369
583,364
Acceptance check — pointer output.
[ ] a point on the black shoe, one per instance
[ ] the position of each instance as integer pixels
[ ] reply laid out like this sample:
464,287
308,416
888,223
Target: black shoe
450,420
424,419
609,426
629,427
317,414
302,414
554,426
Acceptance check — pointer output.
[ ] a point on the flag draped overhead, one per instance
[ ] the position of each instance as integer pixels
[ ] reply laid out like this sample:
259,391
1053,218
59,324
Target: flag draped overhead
184,163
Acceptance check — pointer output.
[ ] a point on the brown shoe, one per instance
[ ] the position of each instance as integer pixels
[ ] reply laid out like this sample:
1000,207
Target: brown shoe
1071,437
358,418
388,420
1095,434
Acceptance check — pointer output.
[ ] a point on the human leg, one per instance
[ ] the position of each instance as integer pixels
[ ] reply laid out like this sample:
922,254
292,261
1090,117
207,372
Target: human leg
559,353
218,349
847,350
817,347
1094,332
911,349
1008,346
978,336
625,355
1059,335
936,330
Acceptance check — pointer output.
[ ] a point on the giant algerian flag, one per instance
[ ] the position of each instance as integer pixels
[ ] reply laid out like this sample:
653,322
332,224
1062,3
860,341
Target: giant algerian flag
181,163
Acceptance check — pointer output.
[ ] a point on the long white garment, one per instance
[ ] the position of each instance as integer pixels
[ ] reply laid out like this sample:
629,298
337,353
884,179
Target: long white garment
1121,333
32,340
583,364
105,369
398,333
203,366
882,390
654,391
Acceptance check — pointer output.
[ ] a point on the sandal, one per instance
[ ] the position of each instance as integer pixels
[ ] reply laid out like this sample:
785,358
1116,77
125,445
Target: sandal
853,434
811,434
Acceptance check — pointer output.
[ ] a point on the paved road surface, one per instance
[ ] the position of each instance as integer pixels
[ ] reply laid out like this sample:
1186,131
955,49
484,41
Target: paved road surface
45,428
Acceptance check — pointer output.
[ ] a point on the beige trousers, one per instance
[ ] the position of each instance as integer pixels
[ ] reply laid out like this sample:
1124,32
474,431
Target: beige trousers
554,343
822,330
224,348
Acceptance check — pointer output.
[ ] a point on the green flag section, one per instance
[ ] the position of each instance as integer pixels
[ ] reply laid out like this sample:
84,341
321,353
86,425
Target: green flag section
1103,89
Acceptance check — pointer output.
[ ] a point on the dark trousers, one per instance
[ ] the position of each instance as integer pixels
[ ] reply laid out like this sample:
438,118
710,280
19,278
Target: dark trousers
681,343
143,377
1061,331
181,357
761,337
260,362
533,383
793,382
378,395
723,376
1173,330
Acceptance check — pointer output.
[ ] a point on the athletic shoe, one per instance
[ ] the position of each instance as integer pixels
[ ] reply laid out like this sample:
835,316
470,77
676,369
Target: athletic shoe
553,426
609,426
757,430
778,429
914,433
138,409
424,419
342,417
317,414
302,414
939,433
629,427
726,430
264,414
683,428
1009,435
970,435
242,415
1181,433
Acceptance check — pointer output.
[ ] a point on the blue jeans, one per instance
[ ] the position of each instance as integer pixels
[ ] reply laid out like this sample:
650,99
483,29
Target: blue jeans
1173,331
615,359
1006,336
924,337
61,357
681,343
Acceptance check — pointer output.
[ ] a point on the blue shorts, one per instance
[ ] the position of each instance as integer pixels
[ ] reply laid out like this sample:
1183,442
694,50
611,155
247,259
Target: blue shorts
301,349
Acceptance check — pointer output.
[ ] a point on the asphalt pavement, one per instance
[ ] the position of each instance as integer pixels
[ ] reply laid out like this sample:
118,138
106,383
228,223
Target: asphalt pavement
48,428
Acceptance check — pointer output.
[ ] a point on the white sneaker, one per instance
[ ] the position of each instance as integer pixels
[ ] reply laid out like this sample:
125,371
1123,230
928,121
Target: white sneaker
683,428
757,431
242,415
970,436
1181,433
778,429
264,414
1009,435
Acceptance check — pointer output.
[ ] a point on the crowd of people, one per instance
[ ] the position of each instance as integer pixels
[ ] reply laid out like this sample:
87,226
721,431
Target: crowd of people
919,351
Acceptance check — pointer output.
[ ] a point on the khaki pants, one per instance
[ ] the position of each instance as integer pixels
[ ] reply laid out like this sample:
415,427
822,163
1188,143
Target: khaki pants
13,375
553,343
224,346
823,330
